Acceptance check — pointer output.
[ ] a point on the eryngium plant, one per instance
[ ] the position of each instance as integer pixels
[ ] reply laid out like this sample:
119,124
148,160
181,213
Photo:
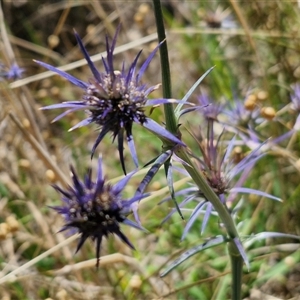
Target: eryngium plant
114,100
96,209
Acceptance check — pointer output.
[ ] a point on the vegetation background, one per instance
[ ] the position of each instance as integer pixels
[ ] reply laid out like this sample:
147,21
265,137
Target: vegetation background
255,48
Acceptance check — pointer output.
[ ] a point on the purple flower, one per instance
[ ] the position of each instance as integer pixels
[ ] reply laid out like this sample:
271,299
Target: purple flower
14,72
209,109
96,209
241,118
219,169
217,164
114,100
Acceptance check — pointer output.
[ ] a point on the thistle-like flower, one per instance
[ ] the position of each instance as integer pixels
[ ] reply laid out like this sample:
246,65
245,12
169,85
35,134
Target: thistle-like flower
216,163
240,118
114,100
14,72
96,209
219,169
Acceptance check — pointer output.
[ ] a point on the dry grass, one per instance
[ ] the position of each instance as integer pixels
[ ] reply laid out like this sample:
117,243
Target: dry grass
39,263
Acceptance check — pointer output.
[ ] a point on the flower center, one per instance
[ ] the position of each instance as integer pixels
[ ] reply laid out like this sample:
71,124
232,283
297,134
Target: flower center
99,214
115,103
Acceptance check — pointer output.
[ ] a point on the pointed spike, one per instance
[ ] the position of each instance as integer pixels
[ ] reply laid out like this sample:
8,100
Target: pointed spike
110,51
114,41
105,65
134,225
77,183
100,137
83,238
132,149
67,76
87,58
81,124
64,114
131,71
134,207
119,186
69,104
147,62
123,237
160,131
121,150
98,248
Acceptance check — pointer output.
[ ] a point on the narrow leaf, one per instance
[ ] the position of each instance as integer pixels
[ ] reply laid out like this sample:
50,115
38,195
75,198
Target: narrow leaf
218,240
266,235
153,170
188,94
169,174
253,191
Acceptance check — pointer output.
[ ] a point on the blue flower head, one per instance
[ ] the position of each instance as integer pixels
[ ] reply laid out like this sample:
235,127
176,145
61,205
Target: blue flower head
96,209
219,169
114,100
12,73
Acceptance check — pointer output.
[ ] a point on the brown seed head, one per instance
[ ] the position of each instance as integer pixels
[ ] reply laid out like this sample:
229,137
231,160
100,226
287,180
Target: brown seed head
268,112
250,102
262,95
12,224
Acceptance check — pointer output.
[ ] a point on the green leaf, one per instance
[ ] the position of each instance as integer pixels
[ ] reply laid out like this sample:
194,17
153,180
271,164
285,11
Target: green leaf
218,240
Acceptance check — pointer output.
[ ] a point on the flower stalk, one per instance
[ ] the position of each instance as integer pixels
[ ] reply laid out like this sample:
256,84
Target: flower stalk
199,179
237,262
171,123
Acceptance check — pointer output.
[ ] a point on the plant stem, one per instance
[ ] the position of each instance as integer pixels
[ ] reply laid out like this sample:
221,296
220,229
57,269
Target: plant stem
236,271
209,194
234,253
195,173
171,123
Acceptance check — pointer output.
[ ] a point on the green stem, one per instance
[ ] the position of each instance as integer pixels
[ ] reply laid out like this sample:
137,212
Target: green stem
237,263
195,173
234,253
171,123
